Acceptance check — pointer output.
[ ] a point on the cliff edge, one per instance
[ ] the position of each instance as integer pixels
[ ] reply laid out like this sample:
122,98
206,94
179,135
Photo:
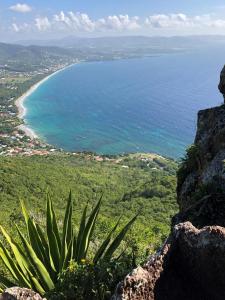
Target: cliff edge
201,177
191,264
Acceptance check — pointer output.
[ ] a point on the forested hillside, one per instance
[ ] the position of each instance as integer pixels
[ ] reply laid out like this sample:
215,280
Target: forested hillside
128,186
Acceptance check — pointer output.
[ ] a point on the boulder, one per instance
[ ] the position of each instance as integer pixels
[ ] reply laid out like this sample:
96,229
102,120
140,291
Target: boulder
190,266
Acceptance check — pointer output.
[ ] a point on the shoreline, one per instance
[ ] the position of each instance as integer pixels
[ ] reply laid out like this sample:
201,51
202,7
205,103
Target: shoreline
19,102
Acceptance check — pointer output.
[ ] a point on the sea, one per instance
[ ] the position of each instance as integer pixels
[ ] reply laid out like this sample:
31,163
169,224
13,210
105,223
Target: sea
145,104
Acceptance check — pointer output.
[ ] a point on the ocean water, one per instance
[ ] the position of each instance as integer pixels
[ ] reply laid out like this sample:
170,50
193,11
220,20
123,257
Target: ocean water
136,105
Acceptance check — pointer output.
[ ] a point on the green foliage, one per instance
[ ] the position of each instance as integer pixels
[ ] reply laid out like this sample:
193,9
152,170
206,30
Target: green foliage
210,189
190,163
91,281
150,191
41,260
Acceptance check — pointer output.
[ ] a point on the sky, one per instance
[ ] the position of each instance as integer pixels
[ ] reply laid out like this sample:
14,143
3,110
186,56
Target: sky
50,19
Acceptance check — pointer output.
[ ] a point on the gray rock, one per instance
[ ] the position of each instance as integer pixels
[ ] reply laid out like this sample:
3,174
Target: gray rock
17,293
190,266
221,85
205,176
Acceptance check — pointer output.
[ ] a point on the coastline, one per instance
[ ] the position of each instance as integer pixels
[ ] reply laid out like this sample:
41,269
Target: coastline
22,109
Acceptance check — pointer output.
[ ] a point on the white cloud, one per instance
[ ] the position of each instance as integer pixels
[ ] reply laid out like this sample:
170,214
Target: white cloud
83,23
73,21
20,28
118,23
21,8
42,24
169,21
15,27
76,22
181,21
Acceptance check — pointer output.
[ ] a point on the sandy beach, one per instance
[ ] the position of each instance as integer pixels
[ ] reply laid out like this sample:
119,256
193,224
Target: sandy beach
22,109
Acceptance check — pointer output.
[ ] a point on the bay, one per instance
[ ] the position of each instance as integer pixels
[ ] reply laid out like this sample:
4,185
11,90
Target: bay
134,105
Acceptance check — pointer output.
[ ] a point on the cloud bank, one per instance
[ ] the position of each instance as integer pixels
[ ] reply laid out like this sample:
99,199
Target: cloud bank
76,22
81,22
182,21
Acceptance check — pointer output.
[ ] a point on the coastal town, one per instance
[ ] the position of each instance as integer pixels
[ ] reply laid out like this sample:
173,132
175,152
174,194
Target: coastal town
15,137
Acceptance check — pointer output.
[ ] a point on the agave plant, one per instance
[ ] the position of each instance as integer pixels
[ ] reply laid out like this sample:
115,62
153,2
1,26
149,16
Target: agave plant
41,257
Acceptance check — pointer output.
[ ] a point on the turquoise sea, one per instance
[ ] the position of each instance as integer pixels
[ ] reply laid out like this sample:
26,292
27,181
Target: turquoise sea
136,105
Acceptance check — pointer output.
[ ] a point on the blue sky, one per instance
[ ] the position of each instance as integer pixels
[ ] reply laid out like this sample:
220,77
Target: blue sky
53,18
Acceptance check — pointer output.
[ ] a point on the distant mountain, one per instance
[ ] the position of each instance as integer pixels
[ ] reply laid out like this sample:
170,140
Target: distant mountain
27,55
128,42
23,58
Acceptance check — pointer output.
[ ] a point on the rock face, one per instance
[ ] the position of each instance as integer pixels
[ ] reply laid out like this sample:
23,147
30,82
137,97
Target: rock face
190,266
201,179
17,293
221,85
140,283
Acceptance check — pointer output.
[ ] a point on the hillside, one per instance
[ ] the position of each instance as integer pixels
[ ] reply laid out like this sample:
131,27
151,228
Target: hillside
128,185
69,50
12,57
145,44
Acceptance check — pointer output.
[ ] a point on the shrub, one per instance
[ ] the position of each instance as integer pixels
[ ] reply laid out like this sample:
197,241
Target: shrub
190,163
91,281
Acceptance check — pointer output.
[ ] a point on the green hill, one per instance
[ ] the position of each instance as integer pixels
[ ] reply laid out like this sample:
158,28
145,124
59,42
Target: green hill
128,185
30,58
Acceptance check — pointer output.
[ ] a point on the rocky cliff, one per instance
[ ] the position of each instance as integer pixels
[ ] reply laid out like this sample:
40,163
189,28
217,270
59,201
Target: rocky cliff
201,178
191,264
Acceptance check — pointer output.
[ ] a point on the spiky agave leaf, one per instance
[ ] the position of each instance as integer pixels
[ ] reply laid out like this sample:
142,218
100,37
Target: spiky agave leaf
13,267
67,236
22,261
87,233
68,220
36,285
33,234
116,242
42,272
37,240
48,259
80,234
54,251
93,227
105,244
69,255
55,227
